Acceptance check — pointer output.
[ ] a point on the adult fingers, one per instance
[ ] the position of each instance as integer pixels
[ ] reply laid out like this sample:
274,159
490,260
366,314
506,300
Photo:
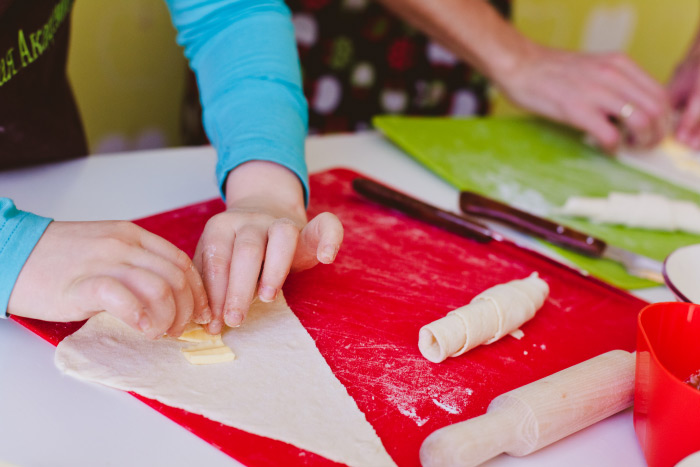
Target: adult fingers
688,131
648,120
594,122
282,240
246,262
94,294
680,88
201,312
319,242
640,126
641,78
153,292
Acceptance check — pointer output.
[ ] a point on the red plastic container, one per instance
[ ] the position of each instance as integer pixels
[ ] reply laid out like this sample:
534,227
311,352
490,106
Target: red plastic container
666,410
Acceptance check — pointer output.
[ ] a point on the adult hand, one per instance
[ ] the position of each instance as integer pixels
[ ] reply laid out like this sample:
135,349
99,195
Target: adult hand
78,269
589,92
250,248
684,94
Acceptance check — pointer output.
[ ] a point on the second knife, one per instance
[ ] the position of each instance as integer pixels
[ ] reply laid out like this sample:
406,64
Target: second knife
478,205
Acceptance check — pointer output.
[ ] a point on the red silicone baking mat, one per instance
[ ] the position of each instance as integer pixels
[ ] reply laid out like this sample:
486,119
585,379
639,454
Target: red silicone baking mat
392,276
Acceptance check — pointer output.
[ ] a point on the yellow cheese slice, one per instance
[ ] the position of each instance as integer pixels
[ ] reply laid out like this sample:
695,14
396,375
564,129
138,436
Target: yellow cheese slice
208,355
671,146
209,348
196,333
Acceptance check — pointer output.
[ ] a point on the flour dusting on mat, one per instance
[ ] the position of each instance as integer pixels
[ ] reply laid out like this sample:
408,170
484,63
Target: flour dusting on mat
416,403
446,408
411,413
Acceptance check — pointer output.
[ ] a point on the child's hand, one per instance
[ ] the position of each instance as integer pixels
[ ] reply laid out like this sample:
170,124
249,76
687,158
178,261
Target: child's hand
251,247
78,269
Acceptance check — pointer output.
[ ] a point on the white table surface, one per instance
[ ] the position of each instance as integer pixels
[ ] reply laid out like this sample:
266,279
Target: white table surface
48,419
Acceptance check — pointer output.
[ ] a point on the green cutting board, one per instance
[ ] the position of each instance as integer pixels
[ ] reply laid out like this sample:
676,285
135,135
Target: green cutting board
536,165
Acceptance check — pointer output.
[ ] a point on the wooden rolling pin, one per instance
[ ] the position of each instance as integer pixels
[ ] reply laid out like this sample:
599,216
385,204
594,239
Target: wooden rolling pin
528,418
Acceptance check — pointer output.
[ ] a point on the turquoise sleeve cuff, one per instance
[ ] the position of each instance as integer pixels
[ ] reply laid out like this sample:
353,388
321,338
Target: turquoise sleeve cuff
19,233
243,53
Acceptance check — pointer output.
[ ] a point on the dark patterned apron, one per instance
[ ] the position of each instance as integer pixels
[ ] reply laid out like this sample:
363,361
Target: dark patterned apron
359,60
39,120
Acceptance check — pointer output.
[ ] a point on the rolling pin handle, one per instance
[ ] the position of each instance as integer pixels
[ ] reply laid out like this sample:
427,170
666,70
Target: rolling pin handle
471,442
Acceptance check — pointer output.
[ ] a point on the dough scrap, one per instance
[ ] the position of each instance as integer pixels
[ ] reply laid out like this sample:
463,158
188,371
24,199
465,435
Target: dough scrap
280,387
492,314
642,210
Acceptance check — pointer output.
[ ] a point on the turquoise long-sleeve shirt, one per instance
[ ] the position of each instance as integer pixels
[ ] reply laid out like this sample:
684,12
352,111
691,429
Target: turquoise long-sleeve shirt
244,55
19,232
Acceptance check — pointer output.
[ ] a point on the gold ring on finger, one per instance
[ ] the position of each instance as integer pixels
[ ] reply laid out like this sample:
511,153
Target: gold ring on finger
626,111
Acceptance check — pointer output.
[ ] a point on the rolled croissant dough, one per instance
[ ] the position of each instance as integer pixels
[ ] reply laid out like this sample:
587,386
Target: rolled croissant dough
279,386
643,210
492,314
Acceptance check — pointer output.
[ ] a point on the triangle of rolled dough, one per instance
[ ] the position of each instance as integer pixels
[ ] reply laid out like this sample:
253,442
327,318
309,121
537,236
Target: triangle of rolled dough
279,386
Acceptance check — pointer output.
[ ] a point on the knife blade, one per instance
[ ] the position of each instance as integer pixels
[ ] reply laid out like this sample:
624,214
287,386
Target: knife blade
638,265
452,222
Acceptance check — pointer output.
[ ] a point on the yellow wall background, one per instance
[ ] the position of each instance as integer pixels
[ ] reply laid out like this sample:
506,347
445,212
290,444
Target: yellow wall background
128,73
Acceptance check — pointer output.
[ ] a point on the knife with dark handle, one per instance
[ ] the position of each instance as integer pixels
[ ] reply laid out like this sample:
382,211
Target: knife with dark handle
449,221
635,264
481,206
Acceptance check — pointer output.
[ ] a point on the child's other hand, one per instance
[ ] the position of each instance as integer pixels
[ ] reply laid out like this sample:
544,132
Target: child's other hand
250,248
78,269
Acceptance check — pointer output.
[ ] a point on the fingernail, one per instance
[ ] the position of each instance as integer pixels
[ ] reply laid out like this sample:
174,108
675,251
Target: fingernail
215,326
233,318
328,253
267,293
175,333
205,316
144,323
